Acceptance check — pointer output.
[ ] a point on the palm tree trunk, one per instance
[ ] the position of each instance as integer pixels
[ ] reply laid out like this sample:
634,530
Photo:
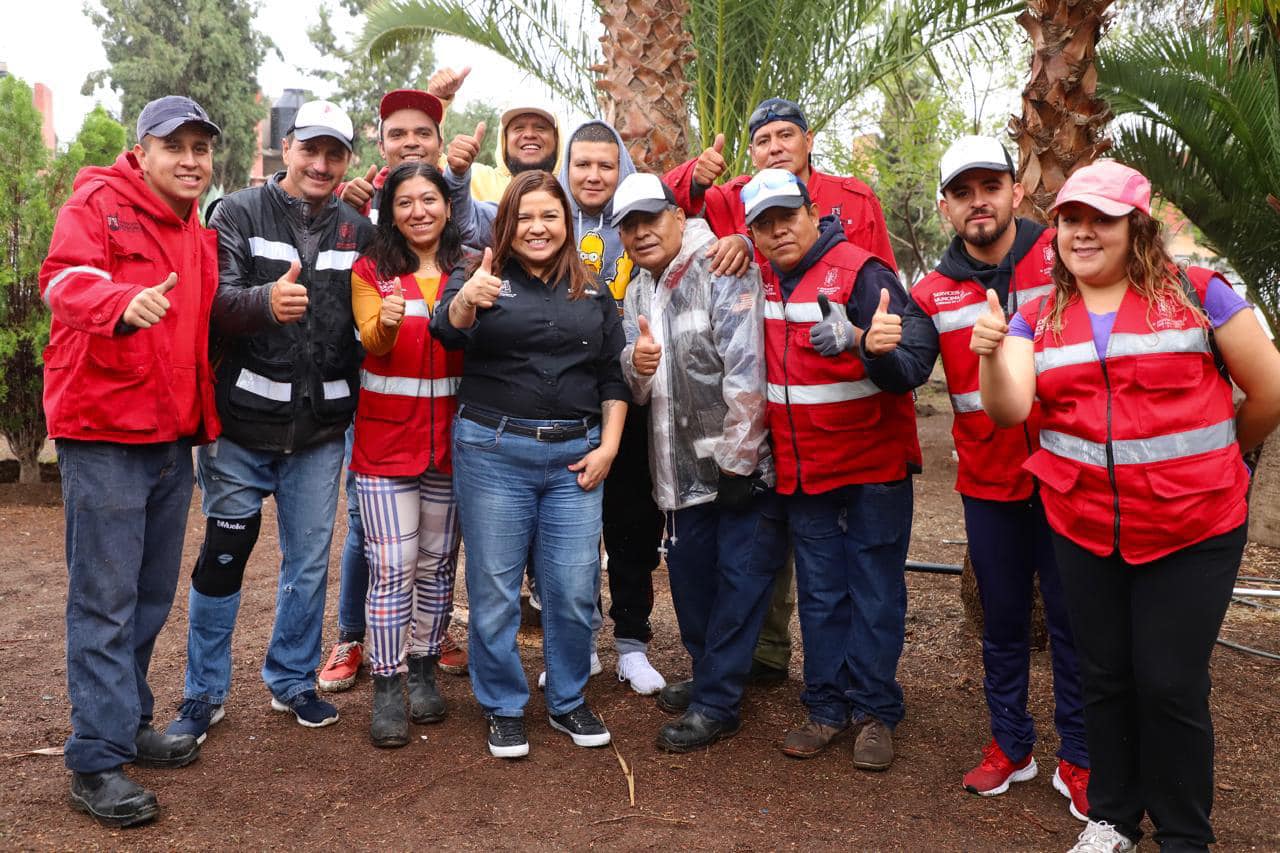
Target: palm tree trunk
1062,121
642,78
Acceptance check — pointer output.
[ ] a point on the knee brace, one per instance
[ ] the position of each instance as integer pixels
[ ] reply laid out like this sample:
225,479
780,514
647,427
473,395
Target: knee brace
228,542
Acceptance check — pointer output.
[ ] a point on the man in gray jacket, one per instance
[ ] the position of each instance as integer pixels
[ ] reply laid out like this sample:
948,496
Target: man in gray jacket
697,359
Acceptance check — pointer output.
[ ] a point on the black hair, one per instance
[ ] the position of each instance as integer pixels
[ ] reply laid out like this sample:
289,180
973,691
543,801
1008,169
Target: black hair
389,250
594,132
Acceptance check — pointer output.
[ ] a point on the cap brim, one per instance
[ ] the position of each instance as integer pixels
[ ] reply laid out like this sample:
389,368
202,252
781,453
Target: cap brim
993,166
1110,207
644,205
165,128
519,111
790,202
316,131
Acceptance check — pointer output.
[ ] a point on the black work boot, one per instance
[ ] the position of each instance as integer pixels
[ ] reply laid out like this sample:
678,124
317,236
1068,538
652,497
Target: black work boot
390,725
155,749
112,798
676,696
426,705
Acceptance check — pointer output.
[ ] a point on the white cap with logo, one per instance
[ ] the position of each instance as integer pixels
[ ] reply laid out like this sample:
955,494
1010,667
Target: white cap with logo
973,152
322,118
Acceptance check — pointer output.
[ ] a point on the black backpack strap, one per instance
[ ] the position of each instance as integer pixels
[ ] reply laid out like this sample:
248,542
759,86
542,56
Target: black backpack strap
1194,297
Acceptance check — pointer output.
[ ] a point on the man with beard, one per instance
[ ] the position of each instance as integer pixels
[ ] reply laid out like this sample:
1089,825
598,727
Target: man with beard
1008,536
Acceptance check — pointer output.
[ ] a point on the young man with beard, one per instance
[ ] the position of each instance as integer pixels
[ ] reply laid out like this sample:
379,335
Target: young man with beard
844,444
129,278
287,381
697,358
1009,539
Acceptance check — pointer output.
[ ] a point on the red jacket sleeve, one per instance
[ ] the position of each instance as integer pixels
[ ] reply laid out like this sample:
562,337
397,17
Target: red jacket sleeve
878,233
680,181
76,277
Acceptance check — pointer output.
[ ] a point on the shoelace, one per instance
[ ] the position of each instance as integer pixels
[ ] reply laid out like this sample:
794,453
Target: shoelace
194,709
341,653
507,727
993,757
582,718
1098,837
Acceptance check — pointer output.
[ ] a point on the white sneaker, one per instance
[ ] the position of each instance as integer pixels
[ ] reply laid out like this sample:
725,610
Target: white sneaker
635,668
1101,837
596,669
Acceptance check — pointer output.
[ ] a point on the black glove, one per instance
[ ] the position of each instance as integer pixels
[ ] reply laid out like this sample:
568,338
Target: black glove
735,492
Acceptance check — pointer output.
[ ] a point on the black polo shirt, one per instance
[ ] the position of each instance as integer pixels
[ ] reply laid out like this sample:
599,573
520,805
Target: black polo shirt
536,354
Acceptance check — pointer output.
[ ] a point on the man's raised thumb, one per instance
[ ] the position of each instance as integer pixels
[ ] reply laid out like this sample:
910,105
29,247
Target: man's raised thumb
479,134
372,173
824,305
292,275
883,307
718,145
993,303
168,284
486,263
643,322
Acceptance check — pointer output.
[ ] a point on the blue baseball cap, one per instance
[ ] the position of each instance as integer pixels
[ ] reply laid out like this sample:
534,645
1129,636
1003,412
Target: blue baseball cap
163,116
776,109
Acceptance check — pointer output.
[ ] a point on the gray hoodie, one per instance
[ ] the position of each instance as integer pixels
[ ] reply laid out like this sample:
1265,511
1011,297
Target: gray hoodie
599,245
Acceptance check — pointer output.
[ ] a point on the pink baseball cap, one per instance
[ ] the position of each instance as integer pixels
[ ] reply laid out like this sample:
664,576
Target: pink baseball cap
1108,186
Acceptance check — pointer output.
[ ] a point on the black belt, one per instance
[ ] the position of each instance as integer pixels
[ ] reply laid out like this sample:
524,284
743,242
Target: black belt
556,432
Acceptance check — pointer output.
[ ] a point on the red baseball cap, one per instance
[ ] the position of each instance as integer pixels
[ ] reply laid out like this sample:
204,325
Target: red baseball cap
411,99
1108,186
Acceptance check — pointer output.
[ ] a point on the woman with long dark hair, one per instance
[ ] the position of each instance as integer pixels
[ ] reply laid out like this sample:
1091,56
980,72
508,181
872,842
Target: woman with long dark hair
401,455
540,415
1143,485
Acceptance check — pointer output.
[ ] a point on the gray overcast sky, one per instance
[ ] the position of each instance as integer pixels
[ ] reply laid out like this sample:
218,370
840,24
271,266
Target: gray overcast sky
53,42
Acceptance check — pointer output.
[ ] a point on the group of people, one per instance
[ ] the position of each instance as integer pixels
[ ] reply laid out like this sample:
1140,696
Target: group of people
715,371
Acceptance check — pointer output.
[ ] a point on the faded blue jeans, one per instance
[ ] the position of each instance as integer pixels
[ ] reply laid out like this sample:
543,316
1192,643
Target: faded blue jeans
126,513
235,480
515,494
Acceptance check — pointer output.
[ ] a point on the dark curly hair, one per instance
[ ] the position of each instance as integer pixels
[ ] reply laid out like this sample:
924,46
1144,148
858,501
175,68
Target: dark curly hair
389,250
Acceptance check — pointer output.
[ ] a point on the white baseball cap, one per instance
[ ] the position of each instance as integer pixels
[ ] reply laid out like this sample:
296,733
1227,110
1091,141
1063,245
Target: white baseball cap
640,192
973,152
322,118
772,188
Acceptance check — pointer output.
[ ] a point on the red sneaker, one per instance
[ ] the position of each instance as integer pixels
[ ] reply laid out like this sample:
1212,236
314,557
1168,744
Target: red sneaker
453,657
339,672
1072,781
996,771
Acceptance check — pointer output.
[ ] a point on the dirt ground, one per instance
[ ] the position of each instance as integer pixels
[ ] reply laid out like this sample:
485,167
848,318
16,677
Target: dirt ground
264,782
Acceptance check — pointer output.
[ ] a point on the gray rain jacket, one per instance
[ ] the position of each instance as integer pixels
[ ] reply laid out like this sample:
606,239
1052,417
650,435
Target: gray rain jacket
708,394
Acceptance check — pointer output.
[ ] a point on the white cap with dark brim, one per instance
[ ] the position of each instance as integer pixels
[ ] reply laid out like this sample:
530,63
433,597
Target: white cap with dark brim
322,118
640,192
973,152
772,188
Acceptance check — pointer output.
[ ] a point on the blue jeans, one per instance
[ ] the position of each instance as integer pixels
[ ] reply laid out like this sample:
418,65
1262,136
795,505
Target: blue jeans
126,512
851,551
1009,544
721,564
235,480
516,494
353,582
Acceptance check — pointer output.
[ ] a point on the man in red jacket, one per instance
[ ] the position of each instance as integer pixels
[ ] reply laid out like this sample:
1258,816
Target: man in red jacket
129,278
780,138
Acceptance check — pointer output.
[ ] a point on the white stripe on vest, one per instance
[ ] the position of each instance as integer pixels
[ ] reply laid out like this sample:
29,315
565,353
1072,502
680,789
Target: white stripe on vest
800,312
833,392
331,259
958,318
1140,451
261,386
1025,296
408,386
965,403
1122,344
272,250
336,389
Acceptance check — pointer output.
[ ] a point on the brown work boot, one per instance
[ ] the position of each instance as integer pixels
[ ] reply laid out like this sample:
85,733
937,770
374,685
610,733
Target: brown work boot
810,739
873,749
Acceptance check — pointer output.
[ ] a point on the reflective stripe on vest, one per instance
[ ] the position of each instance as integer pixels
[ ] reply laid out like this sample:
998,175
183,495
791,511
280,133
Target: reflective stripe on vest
69,271
273,250
416,308
833,392
1140,451
336,389
407,386
1025,296
331,259
1124,343
958,318
259,385
800,312
965,403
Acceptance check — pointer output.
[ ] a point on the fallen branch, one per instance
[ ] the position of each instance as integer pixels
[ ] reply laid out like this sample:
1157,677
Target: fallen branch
47,750
621,818
626,769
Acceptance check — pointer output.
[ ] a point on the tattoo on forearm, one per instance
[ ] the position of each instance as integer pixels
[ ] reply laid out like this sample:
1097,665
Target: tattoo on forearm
607,410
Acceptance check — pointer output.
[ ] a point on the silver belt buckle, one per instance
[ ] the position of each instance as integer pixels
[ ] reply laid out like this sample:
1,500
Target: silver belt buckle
550,429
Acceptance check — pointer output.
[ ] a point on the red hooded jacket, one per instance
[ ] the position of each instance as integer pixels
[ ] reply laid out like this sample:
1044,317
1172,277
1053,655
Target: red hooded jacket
103,380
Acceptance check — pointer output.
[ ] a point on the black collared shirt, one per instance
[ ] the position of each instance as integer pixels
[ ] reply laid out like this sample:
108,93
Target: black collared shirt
536,354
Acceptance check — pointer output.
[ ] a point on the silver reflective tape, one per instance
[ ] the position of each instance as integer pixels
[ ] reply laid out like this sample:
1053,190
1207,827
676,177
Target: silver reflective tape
256,383
1053,357
955,319
408,386
69,271
336,389
964,403
800,312
694,322
334,260
1025,296
1141,451
1169,341
373,215
415,308
272,250
833,392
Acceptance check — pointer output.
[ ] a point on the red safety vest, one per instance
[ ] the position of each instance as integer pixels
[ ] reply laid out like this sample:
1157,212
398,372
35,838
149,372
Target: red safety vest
990,457
408,397
830,425
1138,450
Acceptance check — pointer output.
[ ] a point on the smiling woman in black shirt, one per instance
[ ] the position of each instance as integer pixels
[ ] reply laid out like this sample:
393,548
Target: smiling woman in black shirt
541,409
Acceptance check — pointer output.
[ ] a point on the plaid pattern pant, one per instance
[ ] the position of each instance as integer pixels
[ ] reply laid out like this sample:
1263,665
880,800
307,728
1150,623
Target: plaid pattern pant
411,541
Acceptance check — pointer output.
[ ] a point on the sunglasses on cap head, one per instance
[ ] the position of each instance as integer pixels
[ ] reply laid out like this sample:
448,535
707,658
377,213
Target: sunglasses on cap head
773,182
766,113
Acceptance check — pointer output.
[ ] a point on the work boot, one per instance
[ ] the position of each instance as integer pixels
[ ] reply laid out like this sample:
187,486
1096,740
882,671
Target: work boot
426,705
154,749
112,798
390,725
676,696
873,750
695,731
810,739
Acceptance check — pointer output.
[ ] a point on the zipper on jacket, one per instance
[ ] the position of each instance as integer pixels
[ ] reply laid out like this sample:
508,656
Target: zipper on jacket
1111,454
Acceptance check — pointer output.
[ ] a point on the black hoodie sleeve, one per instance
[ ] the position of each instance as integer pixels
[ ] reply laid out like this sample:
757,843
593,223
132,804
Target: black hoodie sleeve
908,366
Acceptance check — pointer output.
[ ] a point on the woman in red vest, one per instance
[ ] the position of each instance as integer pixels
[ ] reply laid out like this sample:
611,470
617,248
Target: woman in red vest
401,453
1143,485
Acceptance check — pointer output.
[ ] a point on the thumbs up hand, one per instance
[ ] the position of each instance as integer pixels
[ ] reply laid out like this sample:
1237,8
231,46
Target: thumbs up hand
359,191
464,149
446,82
391,314
990,328
481,290
885,331
710,163
150,305
834,334
647,352
288,298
